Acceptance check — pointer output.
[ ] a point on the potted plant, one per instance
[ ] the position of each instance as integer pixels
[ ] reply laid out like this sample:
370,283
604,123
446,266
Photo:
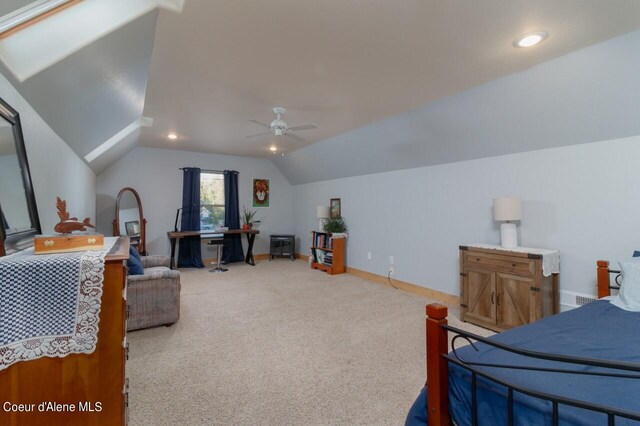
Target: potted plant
247,217
334,224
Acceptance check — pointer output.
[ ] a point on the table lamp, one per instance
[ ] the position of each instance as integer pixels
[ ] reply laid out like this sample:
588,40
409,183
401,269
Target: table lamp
507,210
322,213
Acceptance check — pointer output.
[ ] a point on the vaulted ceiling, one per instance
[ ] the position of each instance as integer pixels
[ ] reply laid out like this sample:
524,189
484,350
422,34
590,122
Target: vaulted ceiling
202,69
342,64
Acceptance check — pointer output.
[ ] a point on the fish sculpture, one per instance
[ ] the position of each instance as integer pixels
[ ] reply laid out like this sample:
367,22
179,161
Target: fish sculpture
69,224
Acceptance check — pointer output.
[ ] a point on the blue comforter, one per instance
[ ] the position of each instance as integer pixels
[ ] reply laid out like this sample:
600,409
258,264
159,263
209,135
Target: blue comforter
597,330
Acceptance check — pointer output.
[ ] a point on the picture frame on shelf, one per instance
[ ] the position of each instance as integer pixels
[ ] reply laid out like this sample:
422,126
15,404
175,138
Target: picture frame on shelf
334,208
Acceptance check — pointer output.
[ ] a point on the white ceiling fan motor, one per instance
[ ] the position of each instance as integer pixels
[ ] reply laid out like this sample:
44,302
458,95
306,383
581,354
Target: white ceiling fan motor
279,126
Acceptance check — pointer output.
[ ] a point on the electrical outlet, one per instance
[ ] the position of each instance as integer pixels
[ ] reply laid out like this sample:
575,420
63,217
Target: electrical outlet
392,270
369,255
391,260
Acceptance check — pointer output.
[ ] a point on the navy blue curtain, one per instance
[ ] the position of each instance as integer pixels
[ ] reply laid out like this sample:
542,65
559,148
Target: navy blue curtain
232,251
190,254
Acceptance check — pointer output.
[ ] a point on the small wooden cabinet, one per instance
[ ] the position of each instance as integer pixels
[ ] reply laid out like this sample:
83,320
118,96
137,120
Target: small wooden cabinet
502,289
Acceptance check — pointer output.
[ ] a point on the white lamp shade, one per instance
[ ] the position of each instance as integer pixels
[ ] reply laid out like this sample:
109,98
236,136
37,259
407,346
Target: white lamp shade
507,208
322,211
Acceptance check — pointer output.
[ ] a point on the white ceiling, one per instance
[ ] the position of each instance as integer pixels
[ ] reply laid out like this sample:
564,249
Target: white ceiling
343,64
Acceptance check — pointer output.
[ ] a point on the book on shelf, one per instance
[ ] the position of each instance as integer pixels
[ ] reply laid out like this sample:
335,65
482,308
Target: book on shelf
322,240
319,256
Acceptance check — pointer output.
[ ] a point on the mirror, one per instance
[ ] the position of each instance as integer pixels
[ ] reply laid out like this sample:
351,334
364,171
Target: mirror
19,221
129,220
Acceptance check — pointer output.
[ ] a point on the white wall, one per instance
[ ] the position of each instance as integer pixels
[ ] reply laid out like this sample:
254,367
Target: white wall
55,169
582,200
155,174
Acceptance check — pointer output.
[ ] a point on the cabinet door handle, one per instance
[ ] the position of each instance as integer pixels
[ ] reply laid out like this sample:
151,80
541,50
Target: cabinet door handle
492,295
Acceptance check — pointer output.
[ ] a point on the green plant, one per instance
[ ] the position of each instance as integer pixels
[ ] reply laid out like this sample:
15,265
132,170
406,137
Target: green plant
247,215
334,224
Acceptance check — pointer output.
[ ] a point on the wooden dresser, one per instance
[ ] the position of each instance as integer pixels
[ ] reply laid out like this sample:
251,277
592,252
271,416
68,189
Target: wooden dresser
79,378
502,289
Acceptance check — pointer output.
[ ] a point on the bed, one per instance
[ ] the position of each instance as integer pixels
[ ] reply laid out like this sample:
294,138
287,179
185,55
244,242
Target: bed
580,367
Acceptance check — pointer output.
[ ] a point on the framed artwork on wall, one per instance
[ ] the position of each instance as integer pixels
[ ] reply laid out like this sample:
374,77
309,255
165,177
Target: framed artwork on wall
260,193
334,208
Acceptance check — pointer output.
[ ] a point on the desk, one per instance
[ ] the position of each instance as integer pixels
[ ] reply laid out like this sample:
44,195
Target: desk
174,236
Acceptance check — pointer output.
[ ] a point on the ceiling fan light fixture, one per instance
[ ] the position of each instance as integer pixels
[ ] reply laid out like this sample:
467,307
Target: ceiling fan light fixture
530,39
279,127
273,148
172,136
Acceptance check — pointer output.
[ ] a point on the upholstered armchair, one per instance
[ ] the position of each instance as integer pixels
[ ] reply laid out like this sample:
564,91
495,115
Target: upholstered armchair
153,298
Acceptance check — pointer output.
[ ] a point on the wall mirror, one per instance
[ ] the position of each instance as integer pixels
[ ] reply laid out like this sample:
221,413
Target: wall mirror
129,220
19,221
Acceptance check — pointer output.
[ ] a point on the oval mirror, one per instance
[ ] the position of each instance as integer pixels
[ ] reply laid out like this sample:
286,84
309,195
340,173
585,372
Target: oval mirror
129,219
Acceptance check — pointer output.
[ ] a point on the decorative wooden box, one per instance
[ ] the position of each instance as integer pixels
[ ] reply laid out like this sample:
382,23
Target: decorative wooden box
48,244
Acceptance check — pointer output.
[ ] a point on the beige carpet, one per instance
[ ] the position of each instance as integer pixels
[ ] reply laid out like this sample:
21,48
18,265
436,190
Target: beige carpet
281,344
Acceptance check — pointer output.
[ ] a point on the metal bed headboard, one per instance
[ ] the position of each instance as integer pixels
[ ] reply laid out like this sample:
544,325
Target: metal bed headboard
625,370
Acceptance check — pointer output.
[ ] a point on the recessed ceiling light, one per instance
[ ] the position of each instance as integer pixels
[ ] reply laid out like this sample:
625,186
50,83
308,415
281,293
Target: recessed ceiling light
172,136
530,39
273,148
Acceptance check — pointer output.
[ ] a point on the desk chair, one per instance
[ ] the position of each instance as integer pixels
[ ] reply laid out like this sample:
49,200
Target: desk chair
219,242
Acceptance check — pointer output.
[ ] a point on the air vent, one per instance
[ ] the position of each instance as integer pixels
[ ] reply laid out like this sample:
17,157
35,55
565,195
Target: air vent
582,300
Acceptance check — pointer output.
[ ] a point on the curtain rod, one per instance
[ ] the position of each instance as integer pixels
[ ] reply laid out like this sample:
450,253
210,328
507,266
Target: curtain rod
204,170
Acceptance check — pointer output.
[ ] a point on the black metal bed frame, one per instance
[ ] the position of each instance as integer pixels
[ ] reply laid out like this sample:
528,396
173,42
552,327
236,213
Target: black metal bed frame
555,400
616,279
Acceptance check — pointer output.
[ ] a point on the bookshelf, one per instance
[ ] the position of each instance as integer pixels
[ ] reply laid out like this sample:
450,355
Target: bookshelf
327,253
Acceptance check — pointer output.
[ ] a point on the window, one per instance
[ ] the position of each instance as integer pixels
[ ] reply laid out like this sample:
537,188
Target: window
211,200
18,14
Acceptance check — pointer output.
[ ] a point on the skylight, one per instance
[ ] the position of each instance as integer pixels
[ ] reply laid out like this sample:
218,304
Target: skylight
19,13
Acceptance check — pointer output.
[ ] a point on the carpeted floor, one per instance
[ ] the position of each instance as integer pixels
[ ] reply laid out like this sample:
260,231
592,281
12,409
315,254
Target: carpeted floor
281,344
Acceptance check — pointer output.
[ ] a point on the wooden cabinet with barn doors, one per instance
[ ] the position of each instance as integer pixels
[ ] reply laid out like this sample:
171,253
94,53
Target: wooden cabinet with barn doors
501,289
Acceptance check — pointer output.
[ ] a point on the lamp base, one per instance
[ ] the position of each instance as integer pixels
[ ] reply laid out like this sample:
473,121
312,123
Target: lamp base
321,225
508,235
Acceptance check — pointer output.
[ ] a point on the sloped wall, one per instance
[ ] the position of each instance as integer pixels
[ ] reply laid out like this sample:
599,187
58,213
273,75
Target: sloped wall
55,169
589,95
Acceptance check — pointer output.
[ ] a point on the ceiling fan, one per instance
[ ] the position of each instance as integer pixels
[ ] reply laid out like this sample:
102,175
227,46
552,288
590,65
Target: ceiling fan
279,127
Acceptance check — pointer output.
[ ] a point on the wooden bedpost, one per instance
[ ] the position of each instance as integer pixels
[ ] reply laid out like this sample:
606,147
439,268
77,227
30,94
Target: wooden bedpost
603,279
437,366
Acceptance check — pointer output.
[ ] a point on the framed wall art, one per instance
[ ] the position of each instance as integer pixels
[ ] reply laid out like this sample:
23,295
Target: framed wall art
260,193
334,208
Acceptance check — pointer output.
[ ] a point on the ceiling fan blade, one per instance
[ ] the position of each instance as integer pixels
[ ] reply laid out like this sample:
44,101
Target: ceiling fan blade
259,134
294,137
260,124
303,127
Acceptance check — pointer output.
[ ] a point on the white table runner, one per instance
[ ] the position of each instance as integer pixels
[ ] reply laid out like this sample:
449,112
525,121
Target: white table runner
550,258
50,304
